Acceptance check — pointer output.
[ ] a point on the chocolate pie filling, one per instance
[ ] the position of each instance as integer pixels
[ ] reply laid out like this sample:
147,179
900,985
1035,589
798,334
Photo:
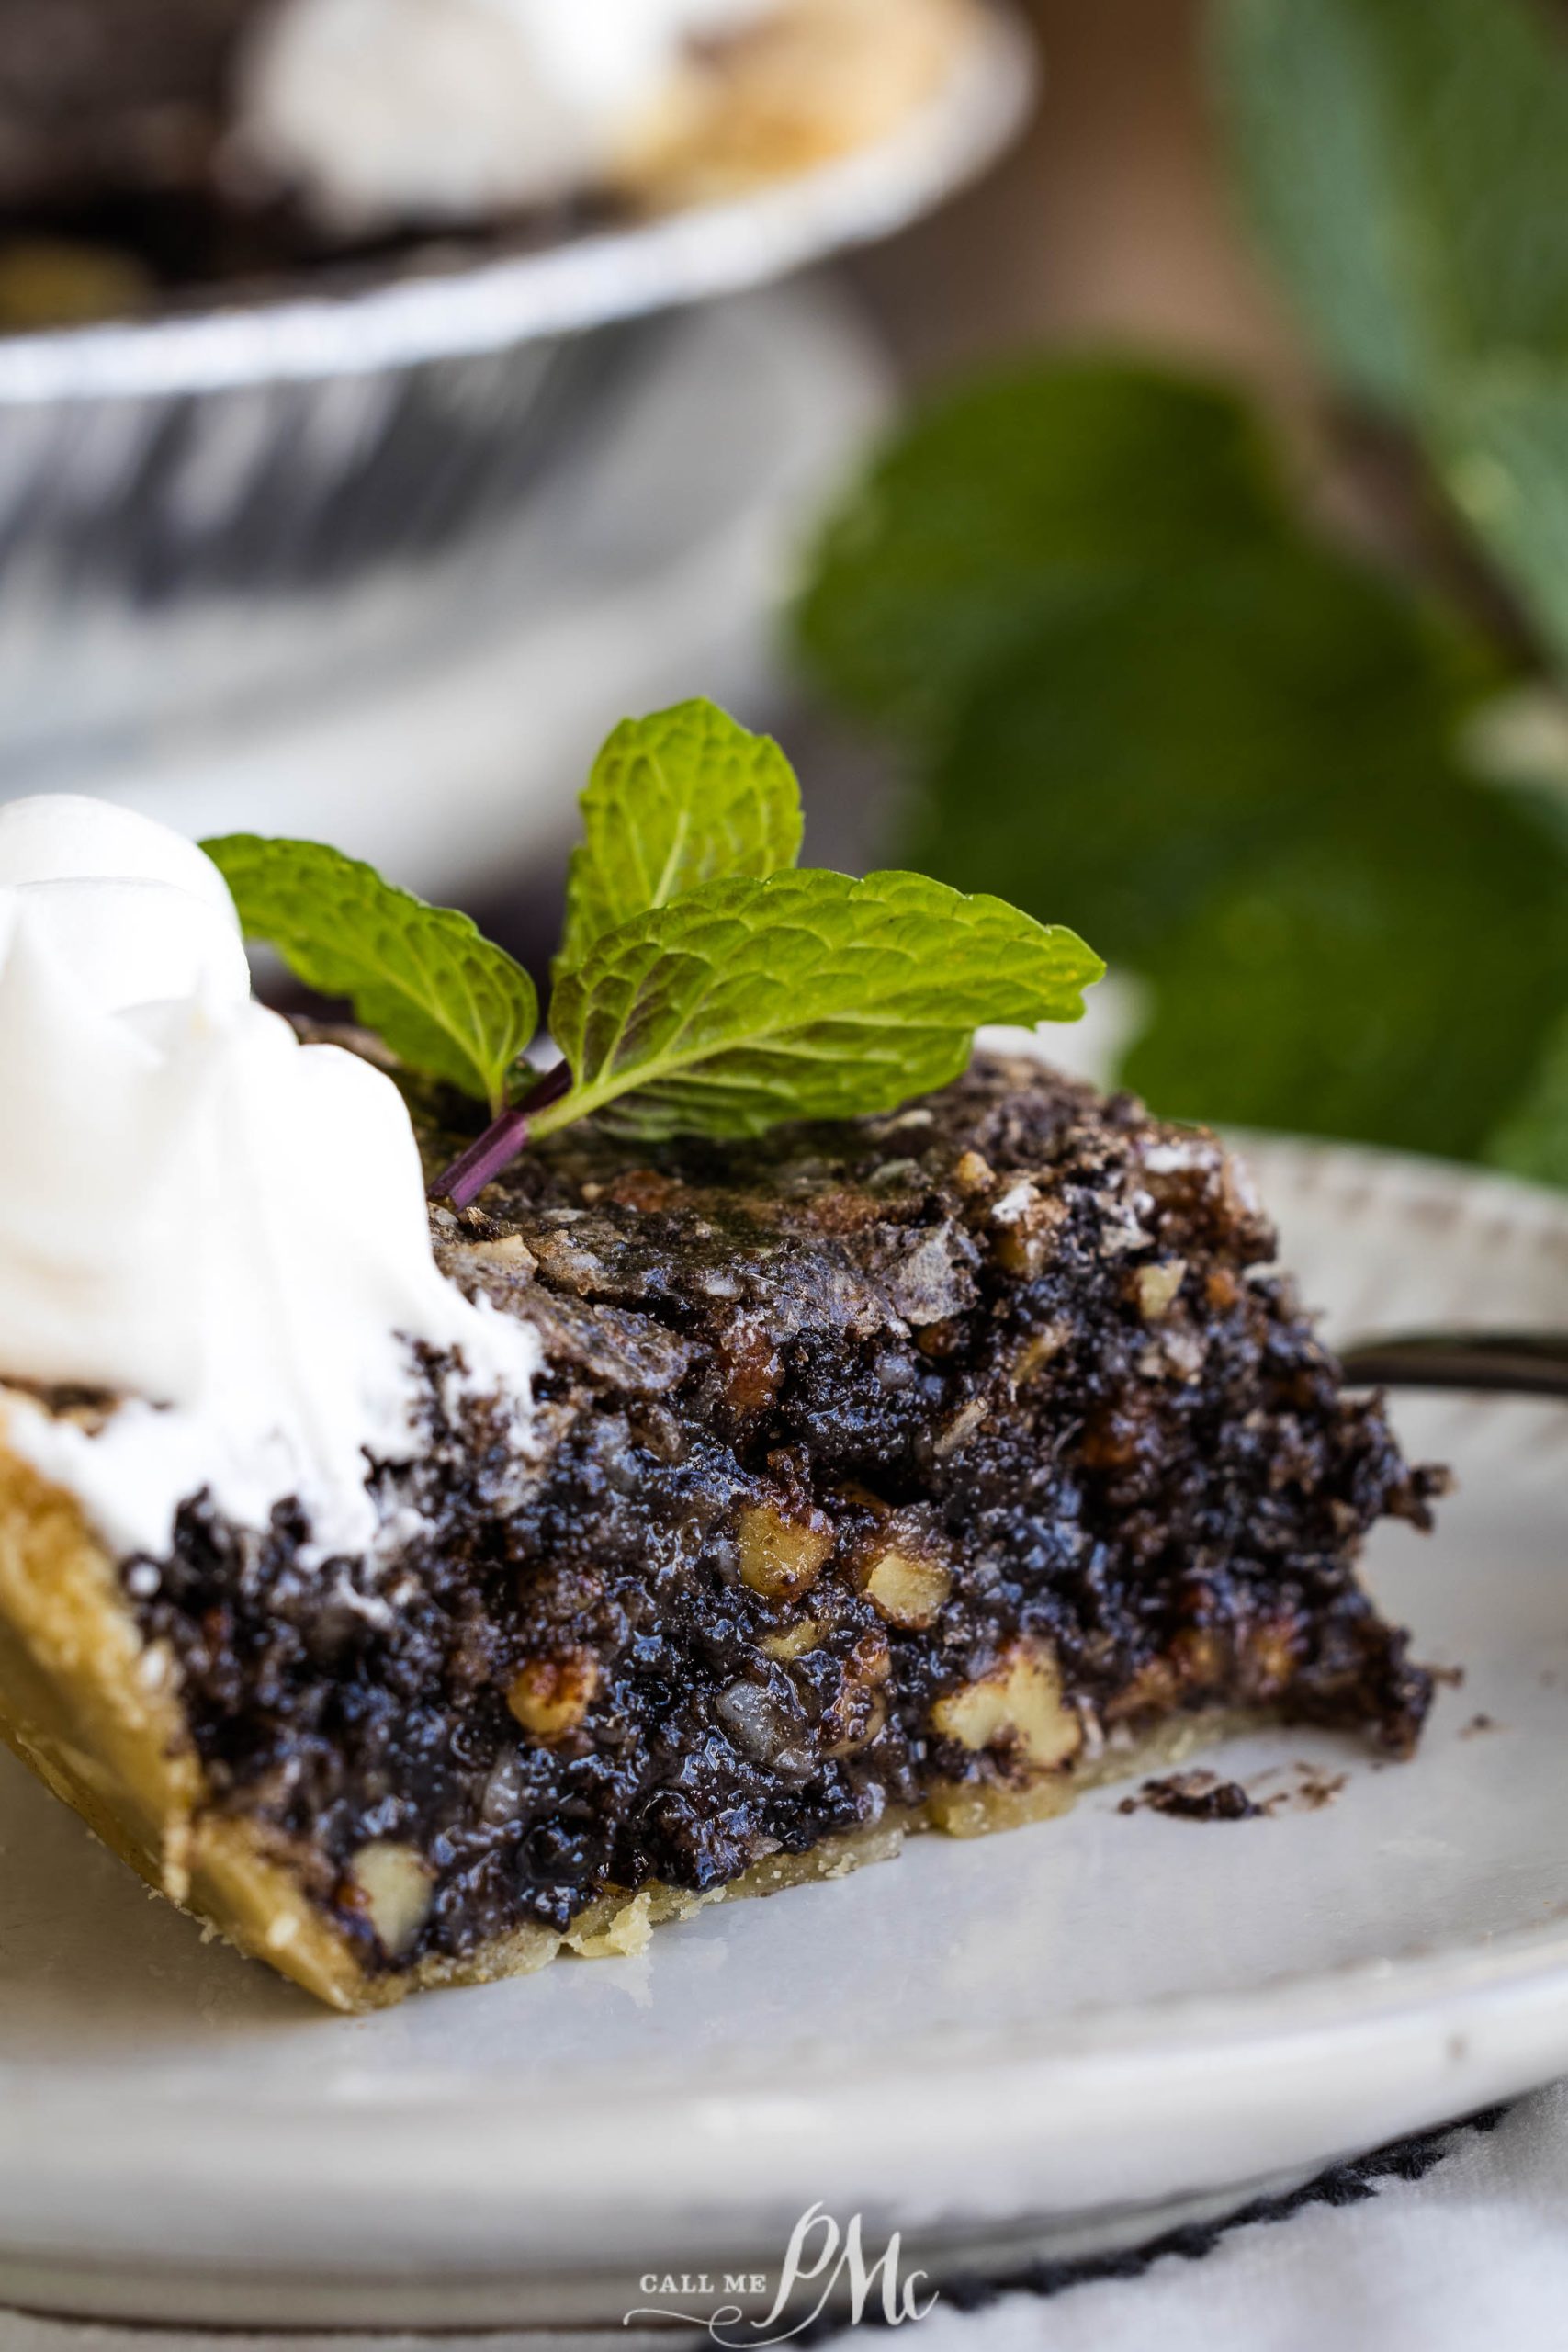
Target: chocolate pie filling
883,1469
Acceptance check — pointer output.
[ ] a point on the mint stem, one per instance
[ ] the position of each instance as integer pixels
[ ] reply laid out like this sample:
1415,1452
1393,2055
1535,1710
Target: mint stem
501,1142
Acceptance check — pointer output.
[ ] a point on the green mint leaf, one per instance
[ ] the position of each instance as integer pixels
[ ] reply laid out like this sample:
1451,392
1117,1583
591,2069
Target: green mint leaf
681,798
1500,438
1000,508
1131,760
1405,166
802,996
445,1000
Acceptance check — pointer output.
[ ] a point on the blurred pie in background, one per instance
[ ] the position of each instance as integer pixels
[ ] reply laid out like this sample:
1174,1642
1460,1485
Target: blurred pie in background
149,146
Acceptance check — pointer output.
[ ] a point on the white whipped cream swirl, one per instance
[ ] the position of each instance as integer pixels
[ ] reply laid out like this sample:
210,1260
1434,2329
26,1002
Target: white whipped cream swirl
222,1226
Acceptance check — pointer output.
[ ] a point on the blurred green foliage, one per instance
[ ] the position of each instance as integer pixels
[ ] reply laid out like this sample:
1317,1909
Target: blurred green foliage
1136,692
1035,495
1405,163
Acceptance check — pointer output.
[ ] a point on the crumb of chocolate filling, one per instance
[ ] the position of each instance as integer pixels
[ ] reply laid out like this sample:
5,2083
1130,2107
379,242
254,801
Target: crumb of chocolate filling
1194,1796
1201,1795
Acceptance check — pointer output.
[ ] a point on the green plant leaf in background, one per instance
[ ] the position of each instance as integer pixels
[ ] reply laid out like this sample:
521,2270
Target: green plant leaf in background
1533,1140
1028,496
1499,437
1243,777
1405,166
1395,977
1133,758
677,799
446,999
806,995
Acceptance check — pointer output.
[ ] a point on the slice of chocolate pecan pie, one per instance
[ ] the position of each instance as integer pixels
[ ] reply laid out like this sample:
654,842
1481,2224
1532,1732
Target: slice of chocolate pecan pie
914,1472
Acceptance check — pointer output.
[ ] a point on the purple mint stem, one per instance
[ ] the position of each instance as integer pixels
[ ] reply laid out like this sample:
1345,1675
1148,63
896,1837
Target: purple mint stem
500,1144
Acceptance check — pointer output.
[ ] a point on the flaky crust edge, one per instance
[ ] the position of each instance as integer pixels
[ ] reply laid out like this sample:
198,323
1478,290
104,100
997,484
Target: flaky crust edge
819,80
94,1710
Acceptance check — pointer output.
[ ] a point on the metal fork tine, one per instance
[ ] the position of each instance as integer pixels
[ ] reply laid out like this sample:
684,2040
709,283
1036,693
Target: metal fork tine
1522,1363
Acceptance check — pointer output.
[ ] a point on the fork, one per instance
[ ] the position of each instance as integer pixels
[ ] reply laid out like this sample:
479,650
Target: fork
1519,1364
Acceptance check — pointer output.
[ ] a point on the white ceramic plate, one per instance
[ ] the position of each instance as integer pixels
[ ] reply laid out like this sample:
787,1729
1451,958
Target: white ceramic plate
1038,2032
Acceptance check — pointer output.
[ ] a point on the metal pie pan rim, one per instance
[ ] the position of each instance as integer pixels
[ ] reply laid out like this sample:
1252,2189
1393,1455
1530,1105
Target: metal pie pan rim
581,283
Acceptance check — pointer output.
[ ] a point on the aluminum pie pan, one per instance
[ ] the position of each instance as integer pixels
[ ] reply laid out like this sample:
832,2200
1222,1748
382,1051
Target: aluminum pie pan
581,283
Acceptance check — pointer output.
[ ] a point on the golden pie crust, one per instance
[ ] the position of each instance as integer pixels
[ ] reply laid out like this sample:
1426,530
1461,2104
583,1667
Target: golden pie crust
821,79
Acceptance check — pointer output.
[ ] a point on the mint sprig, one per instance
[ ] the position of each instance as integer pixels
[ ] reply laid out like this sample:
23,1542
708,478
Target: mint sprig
704,986
446,1000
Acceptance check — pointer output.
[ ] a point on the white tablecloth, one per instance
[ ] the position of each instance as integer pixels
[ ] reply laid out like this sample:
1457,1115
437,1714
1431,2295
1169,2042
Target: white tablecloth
1472,2254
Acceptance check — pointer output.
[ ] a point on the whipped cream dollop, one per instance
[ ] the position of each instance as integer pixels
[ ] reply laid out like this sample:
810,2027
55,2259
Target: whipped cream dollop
223,1227
388,111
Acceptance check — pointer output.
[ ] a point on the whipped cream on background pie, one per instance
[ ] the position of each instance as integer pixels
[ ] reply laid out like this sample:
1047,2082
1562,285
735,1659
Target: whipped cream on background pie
388,110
